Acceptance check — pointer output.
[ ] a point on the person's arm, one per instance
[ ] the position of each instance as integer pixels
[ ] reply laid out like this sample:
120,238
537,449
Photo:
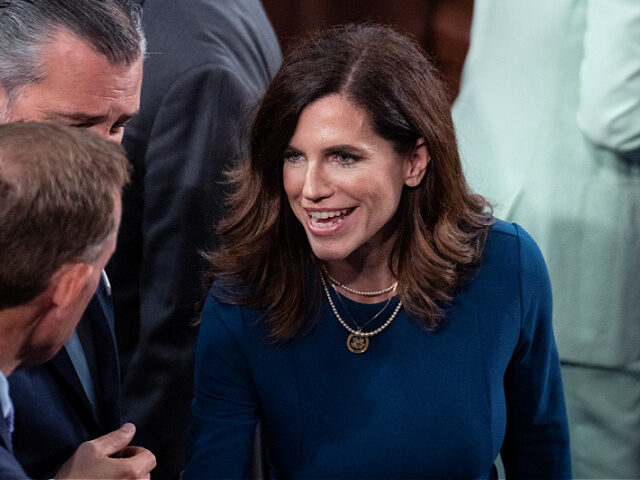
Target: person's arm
94,459
224,411
536,442
609,109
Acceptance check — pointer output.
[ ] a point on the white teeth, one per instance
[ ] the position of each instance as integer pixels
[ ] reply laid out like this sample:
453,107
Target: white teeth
316,218
317,224
327,214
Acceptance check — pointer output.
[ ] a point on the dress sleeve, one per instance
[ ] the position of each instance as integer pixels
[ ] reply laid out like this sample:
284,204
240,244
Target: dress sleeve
536,444
609,109
224,410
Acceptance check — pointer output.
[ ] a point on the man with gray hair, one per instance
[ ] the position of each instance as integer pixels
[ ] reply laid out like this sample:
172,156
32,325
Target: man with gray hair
77,63
59,216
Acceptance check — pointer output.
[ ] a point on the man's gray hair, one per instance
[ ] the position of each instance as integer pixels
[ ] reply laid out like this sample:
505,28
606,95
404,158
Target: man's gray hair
111,27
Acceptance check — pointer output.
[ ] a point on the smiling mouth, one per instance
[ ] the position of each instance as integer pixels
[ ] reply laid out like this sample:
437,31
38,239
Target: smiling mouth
328,218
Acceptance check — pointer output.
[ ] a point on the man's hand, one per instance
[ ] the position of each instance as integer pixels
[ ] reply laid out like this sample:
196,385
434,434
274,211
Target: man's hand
93,459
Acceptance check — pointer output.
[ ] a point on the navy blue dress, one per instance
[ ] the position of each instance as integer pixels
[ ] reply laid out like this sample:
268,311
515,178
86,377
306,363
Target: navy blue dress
416,404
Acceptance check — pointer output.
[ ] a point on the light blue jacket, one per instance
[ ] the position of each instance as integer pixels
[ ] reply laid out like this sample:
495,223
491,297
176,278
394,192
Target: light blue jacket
548,120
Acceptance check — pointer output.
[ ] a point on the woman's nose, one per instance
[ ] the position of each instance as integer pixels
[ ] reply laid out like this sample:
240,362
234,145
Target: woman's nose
317,184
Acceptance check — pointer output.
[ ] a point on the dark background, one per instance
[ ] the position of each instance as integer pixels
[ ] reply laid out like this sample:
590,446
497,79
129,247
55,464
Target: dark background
441,26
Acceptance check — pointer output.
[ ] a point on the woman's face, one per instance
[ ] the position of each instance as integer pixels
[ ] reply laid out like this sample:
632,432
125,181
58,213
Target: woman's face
343,181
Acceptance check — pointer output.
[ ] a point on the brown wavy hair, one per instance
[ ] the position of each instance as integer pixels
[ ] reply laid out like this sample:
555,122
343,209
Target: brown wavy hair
264,259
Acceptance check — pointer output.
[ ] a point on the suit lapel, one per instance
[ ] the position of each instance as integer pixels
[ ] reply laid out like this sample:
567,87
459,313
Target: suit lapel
106,416
107,380
61,363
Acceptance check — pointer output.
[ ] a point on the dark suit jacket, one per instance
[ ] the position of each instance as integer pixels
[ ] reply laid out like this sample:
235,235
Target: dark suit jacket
10,469
208,63
52,412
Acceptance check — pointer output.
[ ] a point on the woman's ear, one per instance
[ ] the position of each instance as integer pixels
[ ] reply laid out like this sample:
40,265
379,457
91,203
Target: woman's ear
417,163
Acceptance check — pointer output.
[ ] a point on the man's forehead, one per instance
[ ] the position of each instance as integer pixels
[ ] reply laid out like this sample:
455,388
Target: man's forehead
70,45
80,83
75,58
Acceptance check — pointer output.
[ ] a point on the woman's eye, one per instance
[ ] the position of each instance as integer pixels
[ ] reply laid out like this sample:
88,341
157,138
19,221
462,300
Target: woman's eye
292,157
345,159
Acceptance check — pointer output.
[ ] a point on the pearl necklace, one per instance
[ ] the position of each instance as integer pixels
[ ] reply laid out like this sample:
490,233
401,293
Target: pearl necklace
363,293
358,341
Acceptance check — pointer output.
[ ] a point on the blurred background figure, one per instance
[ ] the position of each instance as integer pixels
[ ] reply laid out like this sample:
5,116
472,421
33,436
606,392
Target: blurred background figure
548,119
76,63
209,62
440,26
59,215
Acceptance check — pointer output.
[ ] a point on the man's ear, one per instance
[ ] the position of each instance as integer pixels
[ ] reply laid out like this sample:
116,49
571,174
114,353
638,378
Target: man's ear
68,283
417,163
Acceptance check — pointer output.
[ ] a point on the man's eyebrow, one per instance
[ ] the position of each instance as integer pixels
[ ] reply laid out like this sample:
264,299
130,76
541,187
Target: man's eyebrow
80,117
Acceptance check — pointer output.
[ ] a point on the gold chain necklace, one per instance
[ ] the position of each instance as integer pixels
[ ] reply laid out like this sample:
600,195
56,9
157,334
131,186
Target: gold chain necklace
346,309
358,341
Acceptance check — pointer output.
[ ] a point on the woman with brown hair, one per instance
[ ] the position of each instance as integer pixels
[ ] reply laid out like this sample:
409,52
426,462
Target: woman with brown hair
366,306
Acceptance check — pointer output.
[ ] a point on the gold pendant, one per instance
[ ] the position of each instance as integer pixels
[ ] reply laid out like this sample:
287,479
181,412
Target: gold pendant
357,343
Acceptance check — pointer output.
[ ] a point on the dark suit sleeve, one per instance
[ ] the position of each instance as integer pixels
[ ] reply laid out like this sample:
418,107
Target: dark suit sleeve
536,444
192,140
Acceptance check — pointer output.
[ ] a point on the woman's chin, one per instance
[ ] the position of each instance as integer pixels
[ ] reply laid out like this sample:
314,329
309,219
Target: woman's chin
329,254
